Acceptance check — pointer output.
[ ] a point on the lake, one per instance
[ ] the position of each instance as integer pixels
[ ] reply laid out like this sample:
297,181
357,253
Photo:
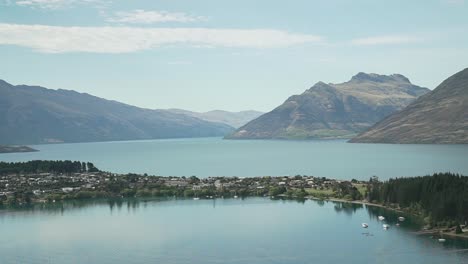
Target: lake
254,230
205,157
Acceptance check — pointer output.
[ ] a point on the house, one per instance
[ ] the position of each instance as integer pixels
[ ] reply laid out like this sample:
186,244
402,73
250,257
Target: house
67,189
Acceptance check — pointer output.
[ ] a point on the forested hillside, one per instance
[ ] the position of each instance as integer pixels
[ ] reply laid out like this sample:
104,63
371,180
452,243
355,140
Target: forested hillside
440,197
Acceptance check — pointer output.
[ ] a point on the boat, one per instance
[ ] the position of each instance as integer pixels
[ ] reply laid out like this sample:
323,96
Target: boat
364,225
381,218
196,198
441,240
401,219
235,197
385,226
397,224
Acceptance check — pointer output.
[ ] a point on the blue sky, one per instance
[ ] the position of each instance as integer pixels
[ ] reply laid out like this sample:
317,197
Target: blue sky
233,55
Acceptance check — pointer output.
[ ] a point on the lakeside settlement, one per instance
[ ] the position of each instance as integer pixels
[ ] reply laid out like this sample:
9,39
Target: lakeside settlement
440,200
49,186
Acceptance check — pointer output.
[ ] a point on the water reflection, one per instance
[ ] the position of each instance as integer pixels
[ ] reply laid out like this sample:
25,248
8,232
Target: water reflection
347,208
133,205
285,231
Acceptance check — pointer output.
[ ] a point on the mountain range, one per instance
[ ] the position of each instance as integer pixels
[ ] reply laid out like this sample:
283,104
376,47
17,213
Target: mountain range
376,108
439,117
34,115
234,119
334,110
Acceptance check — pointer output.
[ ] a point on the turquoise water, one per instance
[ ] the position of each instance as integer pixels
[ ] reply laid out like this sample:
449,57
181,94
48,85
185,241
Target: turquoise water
254,230
205,157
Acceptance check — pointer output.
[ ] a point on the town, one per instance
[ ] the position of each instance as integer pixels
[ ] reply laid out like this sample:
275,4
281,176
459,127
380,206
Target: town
70,180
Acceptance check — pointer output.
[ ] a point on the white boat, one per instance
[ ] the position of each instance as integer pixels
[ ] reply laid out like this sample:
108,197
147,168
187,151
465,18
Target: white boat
235,197
401,219
441,240
365,225
381,218
196,198
397,224
385,226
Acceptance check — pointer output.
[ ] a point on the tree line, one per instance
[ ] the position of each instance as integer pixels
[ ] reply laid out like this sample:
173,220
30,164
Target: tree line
46,166
440,197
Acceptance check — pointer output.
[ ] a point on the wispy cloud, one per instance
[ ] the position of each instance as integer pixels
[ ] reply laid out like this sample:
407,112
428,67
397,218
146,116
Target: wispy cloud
56,4
140,16
385,40
57,39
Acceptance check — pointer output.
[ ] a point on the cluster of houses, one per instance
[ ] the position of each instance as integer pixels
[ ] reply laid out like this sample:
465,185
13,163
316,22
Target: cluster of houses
47,183
250,182
43,183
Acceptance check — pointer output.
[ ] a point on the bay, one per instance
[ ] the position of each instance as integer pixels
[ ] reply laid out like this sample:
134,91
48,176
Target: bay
254,230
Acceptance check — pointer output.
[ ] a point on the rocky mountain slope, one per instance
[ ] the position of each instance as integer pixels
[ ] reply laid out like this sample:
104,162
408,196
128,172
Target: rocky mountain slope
334,110
439,117
33,115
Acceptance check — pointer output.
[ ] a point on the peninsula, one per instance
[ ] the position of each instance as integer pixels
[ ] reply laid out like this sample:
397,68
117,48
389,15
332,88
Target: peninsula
13,149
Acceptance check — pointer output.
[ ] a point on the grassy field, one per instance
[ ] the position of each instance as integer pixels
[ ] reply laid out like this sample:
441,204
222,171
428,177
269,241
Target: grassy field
329,193
320,193
297,133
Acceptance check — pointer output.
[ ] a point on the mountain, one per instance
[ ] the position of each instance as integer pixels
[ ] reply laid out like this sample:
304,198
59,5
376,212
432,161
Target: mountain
439,117
234,119
334,110
32,115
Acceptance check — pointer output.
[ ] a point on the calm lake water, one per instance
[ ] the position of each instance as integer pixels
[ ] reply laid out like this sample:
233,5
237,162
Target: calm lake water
205,157
228,231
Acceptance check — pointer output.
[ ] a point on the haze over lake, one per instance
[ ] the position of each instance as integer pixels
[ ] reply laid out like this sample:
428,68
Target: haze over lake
206,157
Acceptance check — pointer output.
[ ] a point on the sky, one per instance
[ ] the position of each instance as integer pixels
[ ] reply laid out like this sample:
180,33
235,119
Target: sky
238,55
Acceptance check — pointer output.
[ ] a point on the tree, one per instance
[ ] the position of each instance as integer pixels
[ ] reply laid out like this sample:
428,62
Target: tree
274,191
91,167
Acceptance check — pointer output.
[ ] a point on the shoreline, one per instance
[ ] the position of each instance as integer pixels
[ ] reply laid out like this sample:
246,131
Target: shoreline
359,202
8,149
437,231
24,183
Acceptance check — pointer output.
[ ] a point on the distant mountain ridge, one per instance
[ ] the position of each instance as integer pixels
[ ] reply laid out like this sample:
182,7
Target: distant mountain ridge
439,117
34,115
334,110
234,119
